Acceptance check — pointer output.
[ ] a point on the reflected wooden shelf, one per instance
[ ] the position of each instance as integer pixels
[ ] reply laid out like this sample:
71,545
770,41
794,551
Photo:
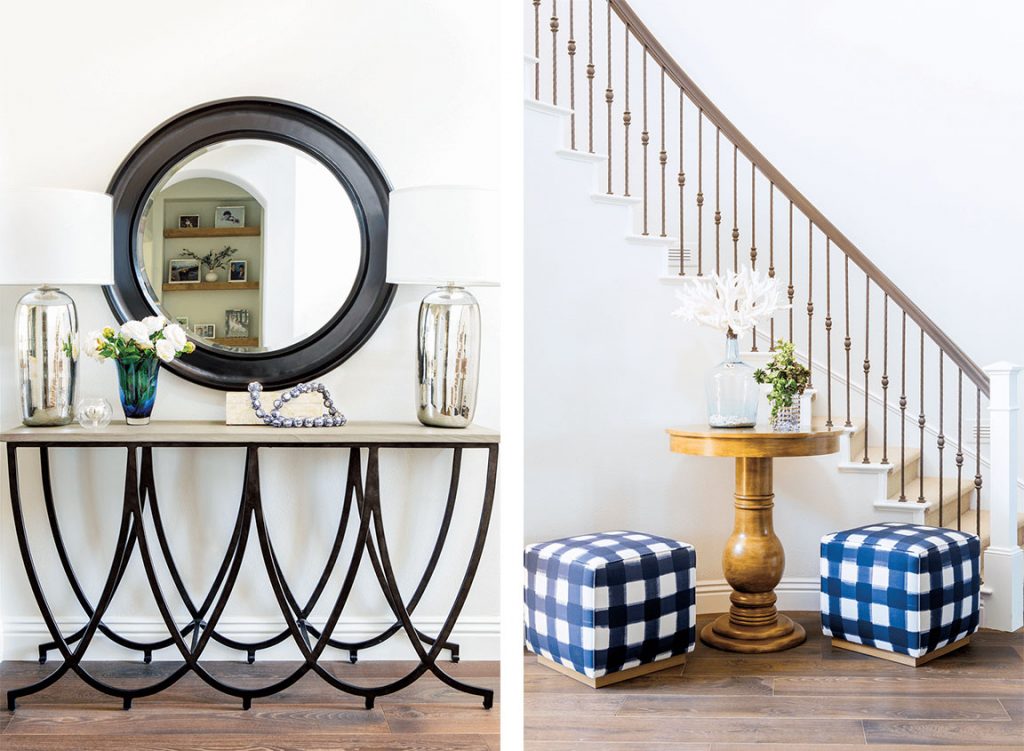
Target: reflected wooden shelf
213,232
236,341
209,286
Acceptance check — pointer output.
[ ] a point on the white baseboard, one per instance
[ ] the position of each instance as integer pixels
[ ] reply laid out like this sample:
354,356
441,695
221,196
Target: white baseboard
794,593
477,638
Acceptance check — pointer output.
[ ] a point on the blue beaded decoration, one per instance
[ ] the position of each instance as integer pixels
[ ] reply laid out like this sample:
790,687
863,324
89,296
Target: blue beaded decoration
332,418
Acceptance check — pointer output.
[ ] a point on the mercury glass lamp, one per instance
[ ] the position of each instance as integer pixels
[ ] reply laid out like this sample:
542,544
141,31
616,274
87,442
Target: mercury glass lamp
51,237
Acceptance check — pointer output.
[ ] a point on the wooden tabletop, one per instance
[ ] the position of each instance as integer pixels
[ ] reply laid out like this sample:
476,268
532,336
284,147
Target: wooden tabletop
759,441
179,432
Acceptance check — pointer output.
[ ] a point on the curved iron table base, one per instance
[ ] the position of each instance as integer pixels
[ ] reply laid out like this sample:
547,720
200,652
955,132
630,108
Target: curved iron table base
140,495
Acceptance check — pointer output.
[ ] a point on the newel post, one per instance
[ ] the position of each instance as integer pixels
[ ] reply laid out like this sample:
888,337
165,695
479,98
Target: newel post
1004,559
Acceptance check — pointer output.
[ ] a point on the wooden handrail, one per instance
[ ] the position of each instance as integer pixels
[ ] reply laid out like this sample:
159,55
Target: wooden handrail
657,51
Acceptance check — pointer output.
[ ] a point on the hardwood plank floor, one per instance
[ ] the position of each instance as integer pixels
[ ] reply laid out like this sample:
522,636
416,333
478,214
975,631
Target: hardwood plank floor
308,716
807,698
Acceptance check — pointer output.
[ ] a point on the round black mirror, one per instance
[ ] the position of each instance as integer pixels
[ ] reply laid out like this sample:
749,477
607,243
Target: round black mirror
261,227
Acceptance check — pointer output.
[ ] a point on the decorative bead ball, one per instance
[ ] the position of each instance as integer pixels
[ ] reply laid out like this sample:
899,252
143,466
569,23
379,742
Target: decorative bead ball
329,419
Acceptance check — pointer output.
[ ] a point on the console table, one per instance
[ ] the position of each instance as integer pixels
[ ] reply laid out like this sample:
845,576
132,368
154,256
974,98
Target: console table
360,508
753,560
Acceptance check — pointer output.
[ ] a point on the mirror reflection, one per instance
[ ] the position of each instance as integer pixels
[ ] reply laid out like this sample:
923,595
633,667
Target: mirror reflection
251,245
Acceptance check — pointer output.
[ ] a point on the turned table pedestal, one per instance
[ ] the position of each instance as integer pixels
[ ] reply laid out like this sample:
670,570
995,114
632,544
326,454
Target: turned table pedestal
753,560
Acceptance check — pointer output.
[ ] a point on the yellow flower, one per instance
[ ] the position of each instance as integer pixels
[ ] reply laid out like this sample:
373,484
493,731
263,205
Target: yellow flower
189,348
108,332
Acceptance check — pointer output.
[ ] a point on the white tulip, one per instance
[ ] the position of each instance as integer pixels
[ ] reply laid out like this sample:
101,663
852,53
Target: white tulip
154,323
175,334
138,332
165,350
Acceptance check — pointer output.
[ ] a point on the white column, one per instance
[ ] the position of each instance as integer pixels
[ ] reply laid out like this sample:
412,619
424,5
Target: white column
1004,559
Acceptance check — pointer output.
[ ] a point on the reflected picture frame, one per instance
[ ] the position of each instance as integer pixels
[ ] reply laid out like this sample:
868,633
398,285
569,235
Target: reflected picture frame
182,271
205,330
238,271
229,217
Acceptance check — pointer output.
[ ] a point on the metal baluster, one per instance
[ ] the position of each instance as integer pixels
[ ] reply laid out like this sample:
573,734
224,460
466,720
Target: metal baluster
627,118
700,193
554,52
572,77
867,359
885,380
718,202
771,254
663,160
941,442
977,466
903,411
645,139
921,424
735,214
590,76
810,303
536,48
609,97
681,181
828,332
846,339
790,290
753,237
959,446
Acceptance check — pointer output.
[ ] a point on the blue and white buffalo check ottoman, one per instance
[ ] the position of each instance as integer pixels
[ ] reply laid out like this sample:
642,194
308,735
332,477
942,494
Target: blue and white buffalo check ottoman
606,607
904,592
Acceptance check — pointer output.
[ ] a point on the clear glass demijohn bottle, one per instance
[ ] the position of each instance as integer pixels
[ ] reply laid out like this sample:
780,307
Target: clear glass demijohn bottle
732,393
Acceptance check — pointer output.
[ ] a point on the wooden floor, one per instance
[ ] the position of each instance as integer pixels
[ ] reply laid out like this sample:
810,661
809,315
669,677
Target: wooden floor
309,716
810,697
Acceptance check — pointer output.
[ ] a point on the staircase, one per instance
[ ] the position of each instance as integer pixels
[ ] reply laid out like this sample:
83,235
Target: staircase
912,429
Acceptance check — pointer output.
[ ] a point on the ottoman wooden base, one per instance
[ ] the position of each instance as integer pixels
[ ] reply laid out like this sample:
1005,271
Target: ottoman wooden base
900,658
622,675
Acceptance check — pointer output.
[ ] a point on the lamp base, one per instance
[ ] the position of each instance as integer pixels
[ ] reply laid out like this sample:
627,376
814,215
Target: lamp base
448,358
46,341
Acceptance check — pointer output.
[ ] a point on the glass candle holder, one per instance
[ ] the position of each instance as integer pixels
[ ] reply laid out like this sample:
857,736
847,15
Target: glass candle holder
94,414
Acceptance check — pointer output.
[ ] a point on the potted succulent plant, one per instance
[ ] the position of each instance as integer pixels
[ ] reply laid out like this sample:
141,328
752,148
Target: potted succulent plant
213,260
788,379
138,348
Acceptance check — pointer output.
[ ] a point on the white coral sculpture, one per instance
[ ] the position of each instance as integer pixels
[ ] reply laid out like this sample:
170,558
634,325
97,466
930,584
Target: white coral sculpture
734,302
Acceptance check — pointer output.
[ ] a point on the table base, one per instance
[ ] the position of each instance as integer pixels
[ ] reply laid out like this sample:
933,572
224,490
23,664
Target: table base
723,634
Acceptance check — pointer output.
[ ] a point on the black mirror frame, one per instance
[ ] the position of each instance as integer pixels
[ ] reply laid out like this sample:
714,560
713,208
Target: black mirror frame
132,297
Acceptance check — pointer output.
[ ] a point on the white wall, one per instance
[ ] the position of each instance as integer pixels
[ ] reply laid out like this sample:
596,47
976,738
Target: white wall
897,119
414,82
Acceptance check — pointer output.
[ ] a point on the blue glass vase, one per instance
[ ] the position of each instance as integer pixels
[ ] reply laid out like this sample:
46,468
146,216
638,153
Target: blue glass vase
137,381
732,393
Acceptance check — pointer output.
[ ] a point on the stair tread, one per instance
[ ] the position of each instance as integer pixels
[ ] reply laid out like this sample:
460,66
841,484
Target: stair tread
931,488
969,523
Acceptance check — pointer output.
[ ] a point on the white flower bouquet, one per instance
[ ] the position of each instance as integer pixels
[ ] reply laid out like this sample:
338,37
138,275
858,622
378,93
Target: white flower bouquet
136,341
734,302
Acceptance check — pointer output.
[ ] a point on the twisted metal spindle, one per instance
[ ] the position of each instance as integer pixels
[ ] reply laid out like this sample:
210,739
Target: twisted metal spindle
753,237
771,255
645,138
554,52
885,379
700,192
681,181
663,161
735,212
572,77
977,465
846,338
921,424
810,303
718,202
903,411
941,441
790,290
828,332
867,360
536,48
627,118
609,97
959,447
590,76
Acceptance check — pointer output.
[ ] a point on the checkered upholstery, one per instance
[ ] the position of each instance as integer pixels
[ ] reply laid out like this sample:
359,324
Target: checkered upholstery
601,603
900,587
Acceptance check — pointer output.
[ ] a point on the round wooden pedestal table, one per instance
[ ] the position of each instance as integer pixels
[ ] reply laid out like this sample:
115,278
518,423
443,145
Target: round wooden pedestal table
753,560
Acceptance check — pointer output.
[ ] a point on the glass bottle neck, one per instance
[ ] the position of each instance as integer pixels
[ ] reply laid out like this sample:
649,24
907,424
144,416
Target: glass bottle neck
732,348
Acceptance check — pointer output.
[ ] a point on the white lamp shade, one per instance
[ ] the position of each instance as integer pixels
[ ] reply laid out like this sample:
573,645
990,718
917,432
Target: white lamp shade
55,236
443,234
